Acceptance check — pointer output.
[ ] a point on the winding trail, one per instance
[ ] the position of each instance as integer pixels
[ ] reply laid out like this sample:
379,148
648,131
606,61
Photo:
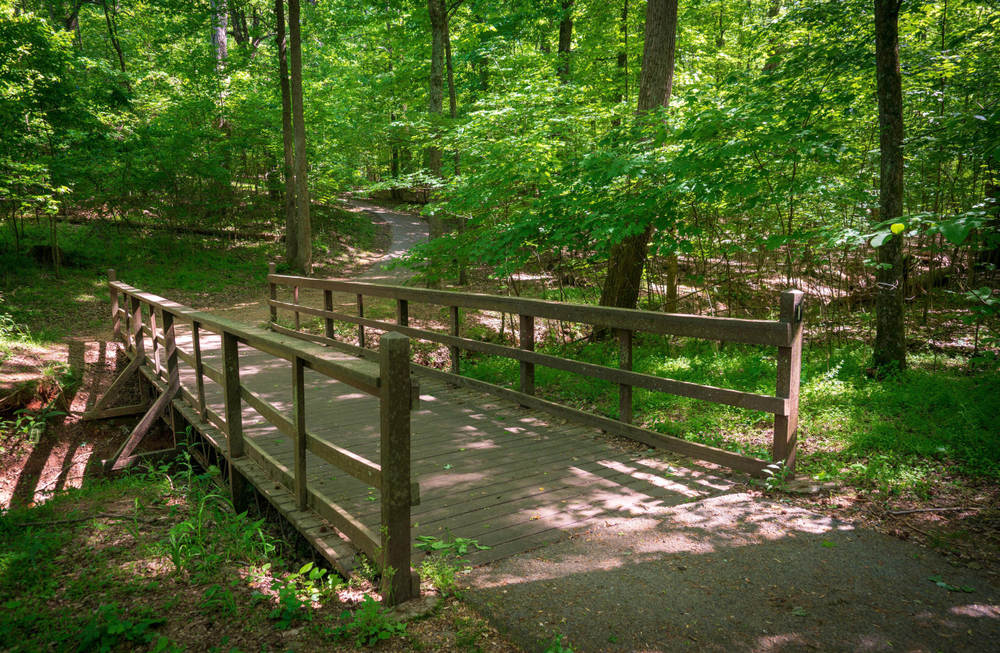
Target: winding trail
407,231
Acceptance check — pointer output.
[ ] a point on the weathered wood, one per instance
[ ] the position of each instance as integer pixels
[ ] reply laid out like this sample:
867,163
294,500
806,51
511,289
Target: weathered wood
789,373
753,332
299,430
199,370
99,410
361,313
328,305
625,363
115,318
141,429
120,411
699,451
402,312
357,466
213,373
740,399
155,341
296,302
273,292
234,416
170,362
394,428
526,335
455,351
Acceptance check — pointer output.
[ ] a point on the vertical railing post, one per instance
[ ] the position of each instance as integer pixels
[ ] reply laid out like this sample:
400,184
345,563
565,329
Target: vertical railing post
361,313
328,306
170,361
157,368
140,348
527,336
301,489
199,371
402,312
625,363
789,371
272,269
295,301
394,426
116,326
455,351
234,416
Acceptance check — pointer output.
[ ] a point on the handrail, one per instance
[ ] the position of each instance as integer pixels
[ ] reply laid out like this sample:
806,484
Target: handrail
389,380
785,333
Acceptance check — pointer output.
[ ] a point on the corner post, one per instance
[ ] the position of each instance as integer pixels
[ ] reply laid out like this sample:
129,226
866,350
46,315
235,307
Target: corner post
402,312
361,327
272,269
234,417
328,306
625,363
527,337
394,427
789,373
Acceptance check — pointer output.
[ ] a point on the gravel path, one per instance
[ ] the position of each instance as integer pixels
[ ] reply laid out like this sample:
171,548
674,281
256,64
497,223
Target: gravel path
734,573
407,231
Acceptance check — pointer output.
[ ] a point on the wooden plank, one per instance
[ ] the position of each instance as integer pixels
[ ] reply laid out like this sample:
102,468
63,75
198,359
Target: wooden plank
361,314
394,429
328,305
273,287
754,332
199,370
296,302
789,373
213,373
700,451
725,396
455,351
115,317
357,466
141,429
121,411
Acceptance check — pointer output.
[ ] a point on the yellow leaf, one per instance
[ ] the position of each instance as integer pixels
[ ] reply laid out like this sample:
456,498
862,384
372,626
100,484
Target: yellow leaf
897,228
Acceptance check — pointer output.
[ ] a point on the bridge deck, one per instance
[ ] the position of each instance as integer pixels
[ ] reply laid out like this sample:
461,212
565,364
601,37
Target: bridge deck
489,470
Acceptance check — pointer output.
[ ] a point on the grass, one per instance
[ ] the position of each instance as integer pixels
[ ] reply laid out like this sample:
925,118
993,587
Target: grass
895,432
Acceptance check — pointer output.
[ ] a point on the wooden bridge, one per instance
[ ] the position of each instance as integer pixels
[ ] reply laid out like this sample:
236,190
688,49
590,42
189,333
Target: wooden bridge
363,450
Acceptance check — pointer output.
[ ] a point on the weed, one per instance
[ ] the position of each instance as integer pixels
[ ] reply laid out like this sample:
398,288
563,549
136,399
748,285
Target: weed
368,625
219,599
468,632
107,630
557,646
296,592
441,574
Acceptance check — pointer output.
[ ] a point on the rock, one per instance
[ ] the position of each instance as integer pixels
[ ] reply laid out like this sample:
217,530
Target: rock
809,486
415,608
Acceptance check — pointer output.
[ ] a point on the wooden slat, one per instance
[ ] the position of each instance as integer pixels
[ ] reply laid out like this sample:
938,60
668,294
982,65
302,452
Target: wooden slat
754,332
357,466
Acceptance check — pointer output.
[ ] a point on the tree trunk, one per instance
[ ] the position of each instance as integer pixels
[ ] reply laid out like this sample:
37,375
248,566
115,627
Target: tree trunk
452,96
890,330
303,257
439,24
625,265
220,24
291,233
565,39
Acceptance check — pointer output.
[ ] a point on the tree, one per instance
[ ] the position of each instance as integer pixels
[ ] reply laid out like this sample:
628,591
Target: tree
628,256
303,255
890,330
439,26
565,39
288,145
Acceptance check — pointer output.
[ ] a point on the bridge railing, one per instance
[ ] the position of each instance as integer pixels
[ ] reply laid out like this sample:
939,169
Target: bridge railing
138,316
784,333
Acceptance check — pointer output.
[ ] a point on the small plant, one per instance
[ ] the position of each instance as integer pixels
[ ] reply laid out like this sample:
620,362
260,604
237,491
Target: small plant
777,476
468,632
557,646
441,574
219,599
458,546
293,601
368,625
107,630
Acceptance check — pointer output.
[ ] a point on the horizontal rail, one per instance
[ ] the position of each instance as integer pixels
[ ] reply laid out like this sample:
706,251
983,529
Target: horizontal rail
752,332
737,398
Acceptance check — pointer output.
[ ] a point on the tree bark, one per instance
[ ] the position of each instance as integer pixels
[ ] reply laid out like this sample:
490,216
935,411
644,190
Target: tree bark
303,257
439,24
890,329
565,39
220,24
291,234
452,96
628,258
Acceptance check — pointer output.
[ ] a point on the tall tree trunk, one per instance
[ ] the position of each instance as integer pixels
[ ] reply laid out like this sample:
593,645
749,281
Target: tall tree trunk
625,265
220,25
565,39
112,33
303,255
890,329
291,229
452,96
439,25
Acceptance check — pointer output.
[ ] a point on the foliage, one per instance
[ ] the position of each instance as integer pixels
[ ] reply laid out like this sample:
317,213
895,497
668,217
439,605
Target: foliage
296,593
368,625
108,630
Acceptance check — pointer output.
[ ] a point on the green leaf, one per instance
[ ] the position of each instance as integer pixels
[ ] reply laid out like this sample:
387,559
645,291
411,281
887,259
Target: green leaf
828,544
880,238
799,611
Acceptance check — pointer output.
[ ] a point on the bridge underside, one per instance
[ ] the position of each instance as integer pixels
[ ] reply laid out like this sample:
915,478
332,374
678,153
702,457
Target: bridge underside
511,478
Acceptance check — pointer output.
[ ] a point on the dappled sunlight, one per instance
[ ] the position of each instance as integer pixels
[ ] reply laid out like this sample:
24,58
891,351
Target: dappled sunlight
977,610
652,479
